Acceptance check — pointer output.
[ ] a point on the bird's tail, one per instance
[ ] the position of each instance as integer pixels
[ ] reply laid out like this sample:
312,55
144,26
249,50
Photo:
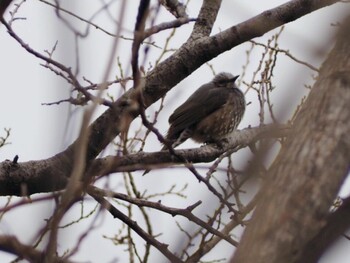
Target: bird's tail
174,142
178,139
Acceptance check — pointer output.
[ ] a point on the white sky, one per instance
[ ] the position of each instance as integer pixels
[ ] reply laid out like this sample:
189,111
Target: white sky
38,132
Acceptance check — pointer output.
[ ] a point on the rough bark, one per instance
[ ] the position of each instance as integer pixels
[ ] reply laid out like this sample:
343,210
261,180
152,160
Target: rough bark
308,172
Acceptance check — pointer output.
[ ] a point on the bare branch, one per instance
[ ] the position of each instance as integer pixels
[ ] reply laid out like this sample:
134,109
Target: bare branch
186,212
87,21
4,139
175,7
167,25
206,18
11,245
163,248
48,60
142,160
288,54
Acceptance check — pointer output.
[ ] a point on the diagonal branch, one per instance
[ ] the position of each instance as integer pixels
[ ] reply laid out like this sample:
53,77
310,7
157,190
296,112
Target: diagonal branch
67,70
186,212
174,7
167,25
116,213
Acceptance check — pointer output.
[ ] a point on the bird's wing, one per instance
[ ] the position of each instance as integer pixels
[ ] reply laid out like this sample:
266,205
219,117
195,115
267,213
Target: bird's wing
199,105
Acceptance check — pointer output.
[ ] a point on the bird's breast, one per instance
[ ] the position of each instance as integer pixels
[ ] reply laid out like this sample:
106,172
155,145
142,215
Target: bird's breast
222,121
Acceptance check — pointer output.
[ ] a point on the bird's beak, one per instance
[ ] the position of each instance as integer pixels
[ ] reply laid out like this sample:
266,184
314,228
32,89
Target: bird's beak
234,78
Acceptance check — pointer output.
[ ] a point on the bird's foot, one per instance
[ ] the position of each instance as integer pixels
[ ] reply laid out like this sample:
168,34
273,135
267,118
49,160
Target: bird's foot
220,144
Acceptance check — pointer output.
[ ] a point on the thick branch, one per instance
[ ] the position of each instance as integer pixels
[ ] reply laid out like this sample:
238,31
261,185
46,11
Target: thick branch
206,18
11,245
26,178
41,176
142,160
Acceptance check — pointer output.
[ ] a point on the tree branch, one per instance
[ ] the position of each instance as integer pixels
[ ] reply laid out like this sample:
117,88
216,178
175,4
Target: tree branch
206,19
11,245
26,178
174,7
163,248
185,212
142,160
42,176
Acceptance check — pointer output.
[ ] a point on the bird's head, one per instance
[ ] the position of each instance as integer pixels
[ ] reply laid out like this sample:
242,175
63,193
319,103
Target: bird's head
225,79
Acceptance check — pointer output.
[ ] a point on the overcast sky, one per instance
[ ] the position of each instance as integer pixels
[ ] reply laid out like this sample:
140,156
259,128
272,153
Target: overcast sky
38,132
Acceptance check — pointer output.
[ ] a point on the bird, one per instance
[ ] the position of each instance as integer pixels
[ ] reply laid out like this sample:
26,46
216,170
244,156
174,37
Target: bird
212,112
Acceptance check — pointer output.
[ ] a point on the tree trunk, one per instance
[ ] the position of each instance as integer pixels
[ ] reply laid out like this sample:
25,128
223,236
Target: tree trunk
309,170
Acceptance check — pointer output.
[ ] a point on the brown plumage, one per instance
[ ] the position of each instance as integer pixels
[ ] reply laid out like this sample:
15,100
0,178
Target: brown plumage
209,114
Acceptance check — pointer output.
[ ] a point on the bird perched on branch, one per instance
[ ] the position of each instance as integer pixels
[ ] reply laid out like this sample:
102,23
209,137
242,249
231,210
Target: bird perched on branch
213,111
